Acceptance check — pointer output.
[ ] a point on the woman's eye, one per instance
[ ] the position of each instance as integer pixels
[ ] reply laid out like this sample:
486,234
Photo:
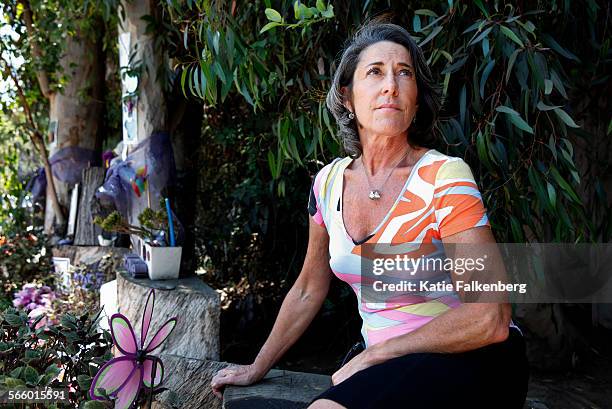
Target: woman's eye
373,71
406,72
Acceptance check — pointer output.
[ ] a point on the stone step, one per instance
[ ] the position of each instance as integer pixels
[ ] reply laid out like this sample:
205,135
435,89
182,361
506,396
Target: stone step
279,389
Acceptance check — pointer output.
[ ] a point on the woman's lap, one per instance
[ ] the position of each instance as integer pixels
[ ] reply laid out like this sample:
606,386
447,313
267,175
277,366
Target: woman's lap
493,376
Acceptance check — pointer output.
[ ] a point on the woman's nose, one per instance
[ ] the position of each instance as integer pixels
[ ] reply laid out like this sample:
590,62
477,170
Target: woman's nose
390,85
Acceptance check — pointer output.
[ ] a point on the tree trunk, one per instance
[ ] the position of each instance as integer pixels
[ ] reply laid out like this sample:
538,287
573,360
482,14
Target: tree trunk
151,108
78,109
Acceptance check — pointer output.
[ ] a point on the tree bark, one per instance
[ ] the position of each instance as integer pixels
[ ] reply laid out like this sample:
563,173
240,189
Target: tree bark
78,109
151,108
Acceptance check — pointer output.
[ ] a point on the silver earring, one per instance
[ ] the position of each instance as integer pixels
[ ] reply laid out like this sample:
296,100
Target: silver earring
414,120
351,115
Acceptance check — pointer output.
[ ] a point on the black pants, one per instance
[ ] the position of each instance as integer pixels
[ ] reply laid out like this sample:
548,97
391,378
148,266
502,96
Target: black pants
494,376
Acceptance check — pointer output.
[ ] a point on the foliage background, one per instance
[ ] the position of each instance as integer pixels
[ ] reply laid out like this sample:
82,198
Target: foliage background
526,89
525,85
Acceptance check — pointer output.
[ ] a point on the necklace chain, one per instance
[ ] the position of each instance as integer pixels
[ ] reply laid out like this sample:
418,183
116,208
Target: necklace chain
375,194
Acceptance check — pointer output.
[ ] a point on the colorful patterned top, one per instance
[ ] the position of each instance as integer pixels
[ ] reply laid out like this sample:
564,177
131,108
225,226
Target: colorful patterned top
439,198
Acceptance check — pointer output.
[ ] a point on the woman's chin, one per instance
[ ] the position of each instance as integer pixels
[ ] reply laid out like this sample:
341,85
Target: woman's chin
390,128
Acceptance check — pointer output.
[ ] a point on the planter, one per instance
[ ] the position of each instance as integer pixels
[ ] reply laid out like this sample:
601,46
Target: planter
163,263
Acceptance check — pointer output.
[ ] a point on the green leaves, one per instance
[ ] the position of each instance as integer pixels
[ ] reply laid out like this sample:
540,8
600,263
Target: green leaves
274,15
511,35
551,42
501,72
515,118
564,185
565,118
304,15
269,26
485,76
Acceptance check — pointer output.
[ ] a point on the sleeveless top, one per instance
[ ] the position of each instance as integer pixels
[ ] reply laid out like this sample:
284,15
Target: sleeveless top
438,199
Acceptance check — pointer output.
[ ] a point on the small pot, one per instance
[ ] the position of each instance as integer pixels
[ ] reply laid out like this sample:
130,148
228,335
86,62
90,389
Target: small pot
163,263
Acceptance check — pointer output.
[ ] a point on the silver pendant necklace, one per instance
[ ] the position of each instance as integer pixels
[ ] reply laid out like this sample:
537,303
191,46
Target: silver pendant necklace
376,194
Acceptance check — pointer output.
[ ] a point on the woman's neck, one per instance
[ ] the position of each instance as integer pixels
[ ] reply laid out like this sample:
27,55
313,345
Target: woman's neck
382,152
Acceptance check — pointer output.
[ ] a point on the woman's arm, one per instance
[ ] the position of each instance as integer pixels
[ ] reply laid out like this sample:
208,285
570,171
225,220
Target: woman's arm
303,300
299,307
469,326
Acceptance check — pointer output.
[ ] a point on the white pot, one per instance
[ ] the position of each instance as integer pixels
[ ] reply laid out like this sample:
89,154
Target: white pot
163,263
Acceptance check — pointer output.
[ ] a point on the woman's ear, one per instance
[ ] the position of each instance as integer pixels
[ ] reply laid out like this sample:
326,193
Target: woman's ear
346,100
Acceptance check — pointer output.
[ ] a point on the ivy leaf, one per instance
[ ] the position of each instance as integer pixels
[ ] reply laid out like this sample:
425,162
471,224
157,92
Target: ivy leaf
564,185
30,375
515,118
329,12
566,118
455,66
268,27
273,15
296,10
511,35
320,5
517,230
84,381
543,107
555,46
480,37
552,195
548,86
511,61
485,76
426,12
183,77
431,36
416,23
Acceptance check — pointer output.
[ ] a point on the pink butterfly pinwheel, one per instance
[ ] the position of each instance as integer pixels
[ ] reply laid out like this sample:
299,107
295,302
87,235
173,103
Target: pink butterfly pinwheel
122,377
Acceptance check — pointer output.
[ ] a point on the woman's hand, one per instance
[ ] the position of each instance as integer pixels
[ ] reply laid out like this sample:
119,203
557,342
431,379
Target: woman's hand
359,362
235,375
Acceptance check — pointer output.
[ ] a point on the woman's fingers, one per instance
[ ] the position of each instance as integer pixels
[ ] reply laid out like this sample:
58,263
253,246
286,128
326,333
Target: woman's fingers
231,375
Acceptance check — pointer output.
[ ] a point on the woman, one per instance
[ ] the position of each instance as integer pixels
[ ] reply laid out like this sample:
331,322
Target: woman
431,352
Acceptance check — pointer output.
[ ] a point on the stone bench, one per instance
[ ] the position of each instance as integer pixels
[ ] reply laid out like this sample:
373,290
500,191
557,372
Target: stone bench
188,387
279,389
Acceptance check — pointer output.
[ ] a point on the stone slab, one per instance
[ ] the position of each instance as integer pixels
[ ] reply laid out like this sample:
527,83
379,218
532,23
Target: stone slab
195,304
279,389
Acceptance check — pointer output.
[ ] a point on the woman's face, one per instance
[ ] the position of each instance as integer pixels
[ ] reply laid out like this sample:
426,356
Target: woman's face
384,93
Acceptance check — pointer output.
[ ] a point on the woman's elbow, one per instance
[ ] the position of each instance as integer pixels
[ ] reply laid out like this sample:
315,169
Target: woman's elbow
497,324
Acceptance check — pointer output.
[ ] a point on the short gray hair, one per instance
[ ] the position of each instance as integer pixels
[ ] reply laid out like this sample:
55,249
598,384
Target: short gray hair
429,99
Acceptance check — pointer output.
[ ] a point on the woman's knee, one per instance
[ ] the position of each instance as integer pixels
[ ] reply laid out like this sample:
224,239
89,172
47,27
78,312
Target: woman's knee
325,404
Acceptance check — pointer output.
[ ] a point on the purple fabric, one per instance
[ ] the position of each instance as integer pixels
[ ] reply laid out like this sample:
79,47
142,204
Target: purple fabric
37,185
67,165
157,154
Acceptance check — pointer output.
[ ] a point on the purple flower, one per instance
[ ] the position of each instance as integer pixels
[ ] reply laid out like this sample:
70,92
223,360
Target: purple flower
32,297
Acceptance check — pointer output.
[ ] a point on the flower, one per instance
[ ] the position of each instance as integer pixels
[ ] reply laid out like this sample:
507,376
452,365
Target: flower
34,296
124,376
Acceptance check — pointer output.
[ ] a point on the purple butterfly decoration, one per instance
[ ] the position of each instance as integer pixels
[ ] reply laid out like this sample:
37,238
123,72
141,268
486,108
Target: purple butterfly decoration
123,377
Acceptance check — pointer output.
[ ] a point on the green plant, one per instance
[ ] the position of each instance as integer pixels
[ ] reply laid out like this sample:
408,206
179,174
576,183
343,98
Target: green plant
153,220
151,223
114,222
513,80
24,258
66,354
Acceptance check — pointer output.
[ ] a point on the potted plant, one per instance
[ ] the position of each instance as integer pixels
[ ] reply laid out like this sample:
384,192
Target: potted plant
155,241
